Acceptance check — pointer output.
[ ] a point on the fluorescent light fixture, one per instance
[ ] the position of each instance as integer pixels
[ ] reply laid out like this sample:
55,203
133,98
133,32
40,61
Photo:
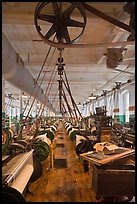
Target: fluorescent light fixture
91,97
24,96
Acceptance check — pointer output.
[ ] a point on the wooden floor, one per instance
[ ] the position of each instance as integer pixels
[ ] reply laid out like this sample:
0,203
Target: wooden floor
63,184
56,184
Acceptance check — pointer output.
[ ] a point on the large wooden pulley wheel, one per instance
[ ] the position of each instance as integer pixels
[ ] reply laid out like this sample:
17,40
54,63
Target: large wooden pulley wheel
60,22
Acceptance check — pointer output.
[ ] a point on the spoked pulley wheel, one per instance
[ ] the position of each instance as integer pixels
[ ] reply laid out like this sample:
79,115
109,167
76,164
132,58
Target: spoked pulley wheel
55,22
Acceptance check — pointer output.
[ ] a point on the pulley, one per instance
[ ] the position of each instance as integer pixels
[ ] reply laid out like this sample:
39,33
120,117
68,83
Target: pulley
60,69
61,17
60,60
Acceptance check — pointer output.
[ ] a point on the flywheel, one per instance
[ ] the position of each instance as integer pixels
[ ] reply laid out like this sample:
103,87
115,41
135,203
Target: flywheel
60,22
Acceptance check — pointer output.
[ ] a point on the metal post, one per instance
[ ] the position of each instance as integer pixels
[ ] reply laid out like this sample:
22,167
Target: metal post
118,84
105,97
3,98
10,116
21,106
52,155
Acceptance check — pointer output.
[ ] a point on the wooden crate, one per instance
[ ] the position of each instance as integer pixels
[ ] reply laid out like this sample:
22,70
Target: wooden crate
113,182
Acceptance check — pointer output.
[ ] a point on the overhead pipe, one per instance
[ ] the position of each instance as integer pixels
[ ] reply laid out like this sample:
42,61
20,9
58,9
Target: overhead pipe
15,72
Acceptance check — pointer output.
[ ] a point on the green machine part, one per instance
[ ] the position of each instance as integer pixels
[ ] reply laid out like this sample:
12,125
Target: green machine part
50,135
72,135
42,149
6,139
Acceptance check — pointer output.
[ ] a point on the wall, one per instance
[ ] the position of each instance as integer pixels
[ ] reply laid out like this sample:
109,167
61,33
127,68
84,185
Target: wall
118,105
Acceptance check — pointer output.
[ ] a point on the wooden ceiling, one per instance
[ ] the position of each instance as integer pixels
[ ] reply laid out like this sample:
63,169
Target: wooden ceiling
85,67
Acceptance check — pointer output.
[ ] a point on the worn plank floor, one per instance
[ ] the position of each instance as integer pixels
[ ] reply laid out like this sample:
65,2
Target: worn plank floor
69,184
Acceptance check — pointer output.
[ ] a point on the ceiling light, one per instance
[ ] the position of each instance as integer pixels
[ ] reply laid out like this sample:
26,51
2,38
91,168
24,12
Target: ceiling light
118,85
24,96
38,104
92,97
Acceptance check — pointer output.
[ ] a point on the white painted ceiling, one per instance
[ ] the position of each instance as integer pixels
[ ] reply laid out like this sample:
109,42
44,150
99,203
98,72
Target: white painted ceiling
85,67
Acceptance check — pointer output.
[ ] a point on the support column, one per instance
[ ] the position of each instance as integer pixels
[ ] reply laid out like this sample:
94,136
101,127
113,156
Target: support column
3,98
89,108
93,108
36,108
105,97
10,116
21,106
117,99
47,112
16,111
131,101
44,112
86,106
97,101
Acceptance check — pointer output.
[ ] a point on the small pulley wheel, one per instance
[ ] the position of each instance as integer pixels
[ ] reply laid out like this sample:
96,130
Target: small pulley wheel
60,60
55,22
